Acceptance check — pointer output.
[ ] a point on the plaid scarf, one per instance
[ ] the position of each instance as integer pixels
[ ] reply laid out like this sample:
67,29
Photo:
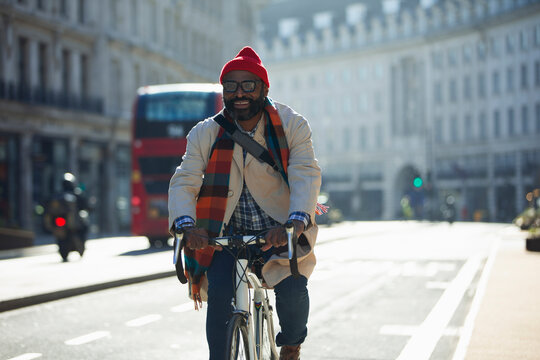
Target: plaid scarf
213,195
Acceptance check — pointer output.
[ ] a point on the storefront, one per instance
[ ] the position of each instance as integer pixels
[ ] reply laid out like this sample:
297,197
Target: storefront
49,157
9,181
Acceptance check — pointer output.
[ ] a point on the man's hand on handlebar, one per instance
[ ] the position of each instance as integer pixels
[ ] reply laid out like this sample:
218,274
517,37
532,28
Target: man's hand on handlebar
278,237
197,238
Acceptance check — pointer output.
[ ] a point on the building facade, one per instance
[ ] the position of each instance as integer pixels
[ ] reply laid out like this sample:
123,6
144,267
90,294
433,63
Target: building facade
69,70
446,92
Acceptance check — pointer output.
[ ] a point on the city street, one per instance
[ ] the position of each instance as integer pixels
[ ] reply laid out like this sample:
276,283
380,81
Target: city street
381,290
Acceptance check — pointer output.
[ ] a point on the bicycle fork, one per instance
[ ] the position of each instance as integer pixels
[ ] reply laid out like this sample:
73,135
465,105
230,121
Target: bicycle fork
255,322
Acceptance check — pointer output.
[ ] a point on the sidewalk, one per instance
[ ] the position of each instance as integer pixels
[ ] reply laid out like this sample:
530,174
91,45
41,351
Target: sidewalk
508,322
106,263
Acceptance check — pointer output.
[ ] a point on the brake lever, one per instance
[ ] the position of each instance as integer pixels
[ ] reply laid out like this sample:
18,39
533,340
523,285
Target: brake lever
178,238
291,245
289,229
177,256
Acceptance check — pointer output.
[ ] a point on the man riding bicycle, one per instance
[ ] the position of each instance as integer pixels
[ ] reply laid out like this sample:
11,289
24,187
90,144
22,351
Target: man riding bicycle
220,187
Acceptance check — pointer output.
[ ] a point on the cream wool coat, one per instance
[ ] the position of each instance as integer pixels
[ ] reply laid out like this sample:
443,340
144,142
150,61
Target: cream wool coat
265,185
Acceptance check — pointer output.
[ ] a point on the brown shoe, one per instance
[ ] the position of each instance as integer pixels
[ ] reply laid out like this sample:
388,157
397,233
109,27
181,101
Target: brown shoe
289,352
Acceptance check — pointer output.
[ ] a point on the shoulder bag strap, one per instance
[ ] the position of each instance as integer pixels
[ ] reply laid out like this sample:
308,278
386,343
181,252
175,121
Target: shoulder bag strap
251,146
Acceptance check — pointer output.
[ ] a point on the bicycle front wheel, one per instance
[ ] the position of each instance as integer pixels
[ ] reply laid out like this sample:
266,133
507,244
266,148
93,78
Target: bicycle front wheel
237,339
267,344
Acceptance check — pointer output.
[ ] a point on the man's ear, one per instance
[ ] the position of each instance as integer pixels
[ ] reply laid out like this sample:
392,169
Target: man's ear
265,90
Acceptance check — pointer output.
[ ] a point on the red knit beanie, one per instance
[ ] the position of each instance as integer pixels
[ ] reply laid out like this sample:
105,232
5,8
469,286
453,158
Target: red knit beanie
248,60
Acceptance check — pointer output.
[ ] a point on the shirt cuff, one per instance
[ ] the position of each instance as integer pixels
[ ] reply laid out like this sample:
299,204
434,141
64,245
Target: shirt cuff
301,216
184,221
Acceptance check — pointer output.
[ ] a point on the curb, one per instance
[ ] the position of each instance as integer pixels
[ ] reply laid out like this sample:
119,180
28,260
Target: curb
62,294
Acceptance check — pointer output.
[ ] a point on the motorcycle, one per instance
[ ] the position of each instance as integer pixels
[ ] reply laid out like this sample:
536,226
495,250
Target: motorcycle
67,223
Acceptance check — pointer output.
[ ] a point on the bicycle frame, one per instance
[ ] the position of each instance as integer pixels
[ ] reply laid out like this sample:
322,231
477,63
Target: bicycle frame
257,312
260,311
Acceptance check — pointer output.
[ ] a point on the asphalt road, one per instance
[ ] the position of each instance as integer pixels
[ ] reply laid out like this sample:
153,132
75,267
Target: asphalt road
395,290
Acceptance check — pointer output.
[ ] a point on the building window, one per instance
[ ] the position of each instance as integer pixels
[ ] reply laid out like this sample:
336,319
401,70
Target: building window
511,122
524,81
439,129
510,43
467,88
66,72
452,90
482,126
135,19
437,60
41,5
523,40
85,86
524,119
496,124
437,90
81,11
495,47
452,57
537,73
537,115
362,139
346,139
496,83
454,129
510,79
468,126
467,54
64,8
379,136
481,50
113,15
23,69
115,87
481,85
379,71
42,67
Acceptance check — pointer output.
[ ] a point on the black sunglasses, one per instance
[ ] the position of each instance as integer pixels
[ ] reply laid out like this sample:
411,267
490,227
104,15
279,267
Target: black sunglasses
246,85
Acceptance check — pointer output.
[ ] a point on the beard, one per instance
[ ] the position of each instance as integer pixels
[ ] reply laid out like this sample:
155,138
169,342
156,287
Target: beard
255,106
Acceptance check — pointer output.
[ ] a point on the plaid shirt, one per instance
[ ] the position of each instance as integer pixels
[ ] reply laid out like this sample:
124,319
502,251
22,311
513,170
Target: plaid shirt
248,215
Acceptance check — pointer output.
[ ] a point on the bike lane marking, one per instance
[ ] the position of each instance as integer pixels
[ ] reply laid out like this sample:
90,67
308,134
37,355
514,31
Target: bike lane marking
28,356
96,335
183,307
144,320
423,342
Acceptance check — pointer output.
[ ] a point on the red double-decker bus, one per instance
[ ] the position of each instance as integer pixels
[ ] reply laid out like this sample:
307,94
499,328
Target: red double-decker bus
163,115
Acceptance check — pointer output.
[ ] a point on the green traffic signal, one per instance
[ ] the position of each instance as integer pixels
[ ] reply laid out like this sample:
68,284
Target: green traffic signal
418,182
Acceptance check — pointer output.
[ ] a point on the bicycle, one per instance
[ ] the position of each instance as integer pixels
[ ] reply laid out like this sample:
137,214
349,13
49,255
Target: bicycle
250,331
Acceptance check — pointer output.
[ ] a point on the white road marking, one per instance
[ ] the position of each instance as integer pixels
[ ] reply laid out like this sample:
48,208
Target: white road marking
183,307
437,285
28,356
407,330
422,343
147,319
87,338
461,348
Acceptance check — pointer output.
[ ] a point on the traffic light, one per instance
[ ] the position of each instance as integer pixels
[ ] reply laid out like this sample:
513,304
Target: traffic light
418,182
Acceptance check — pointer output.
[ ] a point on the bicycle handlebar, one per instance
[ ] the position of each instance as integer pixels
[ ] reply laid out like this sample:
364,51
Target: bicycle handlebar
236,240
